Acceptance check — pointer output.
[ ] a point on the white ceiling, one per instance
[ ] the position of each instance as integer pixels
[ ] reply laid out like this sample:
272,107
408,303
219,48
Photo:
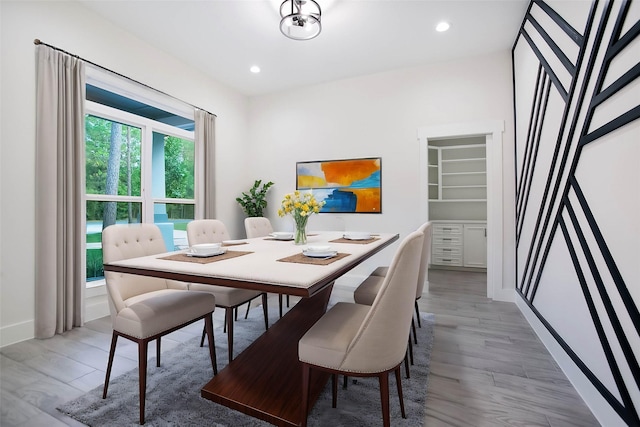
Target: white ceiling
224,38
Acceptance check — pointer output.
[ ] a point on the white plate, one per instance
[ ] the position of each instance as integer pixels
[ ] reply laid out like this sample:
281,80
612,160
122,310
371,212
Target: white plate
282,236
357,236
328,254
232,242
318,248
207,254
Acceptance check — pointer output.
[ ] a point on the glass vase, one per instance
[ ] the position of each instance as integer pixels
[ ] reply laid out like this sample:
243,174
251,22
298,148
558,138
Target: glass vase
300,230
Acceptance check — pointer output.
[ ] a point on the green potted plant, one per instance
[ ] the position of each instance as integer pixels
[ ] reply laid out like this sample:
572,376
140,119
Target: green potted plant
254,202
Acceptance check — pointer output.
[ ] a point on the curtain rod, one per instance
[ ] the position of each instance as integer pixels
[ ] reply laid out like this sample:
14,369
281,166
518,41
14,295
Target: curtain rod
38,41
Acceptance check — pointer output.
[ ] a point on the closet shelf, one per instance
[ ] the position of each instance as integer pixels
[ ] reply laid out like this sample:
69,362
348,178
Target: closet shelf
473,159
457,200
464,173
464,186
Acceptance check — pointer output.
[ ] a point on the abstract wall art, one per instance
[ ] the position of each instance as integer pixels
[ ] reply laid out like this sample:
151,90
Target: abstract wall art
346,186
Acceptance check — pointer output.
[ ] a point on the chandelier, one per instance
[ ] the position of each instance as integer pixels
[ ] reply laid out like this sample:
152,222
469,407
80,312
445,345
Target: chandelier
300,19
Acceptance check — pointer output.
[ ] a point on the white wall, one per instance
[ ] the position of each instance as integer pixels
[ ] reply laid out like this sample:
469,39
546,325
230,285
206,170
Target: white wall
379,115
73,28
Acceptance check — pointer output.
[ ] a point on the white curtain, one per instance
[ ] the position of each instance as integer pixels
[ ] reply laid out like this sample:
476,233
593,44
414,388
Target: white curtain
59,246
205,138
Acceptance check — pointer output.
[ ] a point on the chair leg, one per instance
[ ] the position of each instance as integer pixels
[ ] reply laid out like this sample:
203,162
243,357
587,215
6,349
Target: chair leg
304,407
158,352
280,304
334,390
204,333
406,361
229,322
410,350
112,351
287,301
142,369
399,384
345,381
208,325
384,398
246,313
413,327
418,314
265,310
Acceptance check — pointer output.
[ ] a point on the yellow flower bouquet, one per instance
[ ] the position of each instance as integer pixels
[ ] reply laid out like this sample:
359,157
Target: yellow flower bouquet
300,206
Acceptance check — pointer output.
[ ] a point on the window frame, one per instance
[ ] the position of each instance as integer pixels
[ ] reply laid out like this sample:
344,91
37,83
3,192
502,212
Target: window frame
147,128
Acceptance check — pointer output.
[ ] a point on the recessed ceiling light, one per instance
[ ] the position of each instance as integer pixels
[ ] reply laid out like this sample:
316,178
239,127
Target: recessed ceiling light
442,26
255,69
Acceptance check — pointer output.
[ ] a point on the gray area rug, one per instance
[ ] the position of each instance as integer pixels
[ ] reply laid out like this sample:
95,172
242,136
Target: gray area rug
173,390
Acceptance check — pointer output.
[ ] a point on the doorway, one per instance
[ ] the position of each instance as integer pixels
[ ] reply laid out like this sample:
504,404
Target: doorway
491,131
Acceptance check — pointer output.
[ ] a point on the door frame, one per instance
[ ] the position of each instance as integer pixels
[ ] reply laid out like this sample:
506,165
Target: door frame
492,131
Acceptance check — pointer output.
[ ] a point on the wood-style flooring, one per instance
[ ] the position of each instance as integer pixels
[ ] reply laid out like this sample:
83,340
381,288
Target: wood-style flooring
488,367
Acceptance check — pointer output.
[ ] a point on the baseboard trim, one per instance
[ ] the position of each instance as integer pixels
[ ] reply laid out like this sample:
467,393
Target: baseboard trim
16,333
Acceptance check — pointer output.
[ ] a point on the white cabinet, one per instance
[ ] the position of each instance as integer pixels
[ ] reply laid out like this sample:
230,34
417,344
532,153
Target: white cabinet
446,244
459,244
475,245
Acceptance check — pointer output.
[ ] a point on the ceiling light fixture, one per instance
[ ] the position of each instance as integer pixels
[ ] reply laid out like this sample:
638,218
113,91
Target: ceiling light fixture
255,69
442,26
300,19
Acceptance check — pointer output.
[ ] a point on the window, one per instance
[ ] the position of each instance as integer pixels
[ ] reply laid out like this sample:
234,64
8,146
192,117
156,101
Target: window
137,170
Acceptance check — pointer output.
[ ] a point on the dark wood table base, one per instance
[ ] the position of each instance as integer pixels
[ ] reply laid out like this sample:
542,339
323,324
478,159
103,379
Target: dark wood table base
265,380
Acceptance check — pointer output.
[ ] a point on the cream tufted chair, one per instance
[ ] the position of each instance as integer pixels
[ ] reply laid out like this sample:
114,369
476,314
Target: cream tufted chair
214,231
257,227
144,309
368,289
261,227
363,341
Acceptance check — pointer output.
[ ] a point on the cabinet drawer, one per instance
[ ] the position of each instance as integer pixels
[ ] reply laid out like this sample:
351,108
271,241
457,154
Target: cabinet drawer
446,260
447,252
447,240
447,229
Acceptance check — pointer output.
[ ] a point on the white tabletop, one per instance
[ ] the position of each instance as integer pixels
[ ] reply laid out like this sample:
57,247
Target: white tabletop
261,269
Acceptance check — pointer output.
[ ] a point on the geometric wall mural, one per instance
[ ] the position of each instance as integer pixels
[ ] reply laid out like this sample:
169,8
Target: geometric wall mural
576,68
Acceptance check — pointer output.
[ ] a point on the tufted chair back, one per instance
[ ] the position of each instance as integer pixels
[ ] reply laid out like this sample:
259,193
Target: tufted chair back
257,227
206,231
130,241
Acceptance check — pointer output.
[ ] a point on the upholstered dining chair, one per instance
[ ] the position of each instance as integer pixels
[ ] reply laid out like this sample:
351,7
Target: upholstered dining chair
214,231
366,292
364,341
261,227
144,309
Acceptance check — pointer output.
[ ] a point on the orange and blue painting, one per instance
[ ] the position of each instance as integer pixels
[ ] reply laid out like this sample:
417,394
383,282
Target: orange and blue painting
346,186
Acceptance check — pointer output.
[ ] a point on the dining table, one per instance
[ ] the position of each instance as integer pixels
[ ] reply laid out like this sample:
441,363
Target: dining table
265,380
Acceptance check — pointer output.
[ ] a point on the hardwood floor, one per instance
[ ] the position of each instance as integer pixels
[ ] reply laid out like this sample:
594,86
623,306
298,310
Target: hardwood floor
488,367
